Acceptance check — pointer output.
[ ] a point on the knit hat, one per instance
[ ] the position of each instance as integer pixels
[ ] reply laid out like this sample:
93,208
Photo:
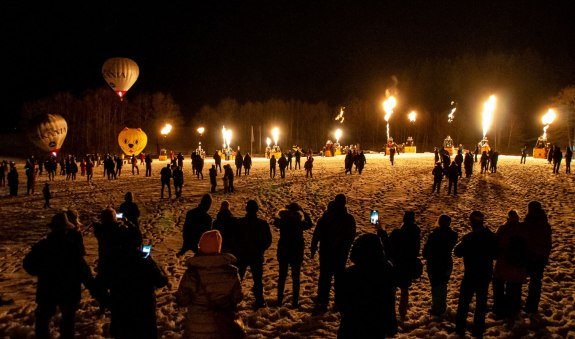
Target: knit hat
210,242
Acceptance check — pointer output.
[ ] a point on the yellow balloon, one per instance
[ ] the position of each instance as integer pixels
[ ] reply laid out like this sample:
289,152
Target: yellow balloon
120,74
132,140
48,131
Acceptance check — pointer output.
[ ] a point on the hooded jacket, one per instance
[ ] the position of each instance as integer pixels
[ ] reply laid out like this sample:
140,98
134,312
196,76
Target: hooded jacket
291,224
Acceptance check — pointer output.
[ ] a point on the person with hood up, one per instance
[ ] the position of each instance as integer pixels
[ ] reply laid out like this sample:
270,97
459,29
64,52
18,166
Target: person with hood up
254,237
226,224
130,209
61,271
211,291
247,164
366,295
468,164
438,252
291,221
478,249
405,243
361,161
282,164
537,227
334,232
348,162
197,222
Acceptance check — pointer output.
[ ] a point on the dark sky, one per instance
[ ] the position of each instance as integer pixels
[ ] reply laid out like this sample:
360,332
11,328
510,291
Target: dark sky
203,51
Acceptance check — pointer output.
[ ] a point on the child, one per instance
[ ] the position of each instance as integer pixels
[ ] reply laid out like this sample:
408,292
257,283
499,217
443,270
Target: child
47,195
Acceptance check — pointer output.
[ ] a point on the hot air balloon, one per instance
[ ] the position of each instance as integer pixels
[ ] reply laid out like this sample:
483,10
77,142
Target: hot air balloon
132,140
120,74
48,131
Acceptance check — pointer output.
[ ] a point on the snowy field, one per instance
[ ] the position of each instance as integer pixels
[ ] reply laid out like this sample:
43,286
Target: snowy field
389,189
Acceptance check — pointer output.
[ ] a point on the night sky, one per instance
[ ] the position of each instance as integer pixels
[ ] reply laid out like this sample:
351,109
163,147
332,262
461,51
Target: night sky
204,51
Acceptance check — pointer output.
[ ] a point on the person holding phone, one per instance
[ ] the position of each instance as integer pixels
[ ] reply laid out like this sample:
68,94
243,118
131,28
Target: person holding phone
129,209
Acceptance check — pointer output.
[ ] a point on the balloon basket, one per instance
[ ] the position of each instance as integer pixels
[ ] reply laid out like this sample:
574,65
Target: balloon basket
540,153
410,149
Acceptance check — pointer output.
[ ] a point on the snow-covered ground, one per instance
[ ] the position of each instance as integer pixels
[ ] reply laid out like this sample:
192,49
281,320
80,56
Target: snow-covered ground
389,189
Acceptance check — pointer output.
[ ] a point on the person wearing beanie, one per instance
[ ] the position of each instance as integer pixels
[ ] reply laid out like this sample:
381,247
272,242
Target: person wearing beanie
478,249
437,252
254,237
61,271
538,236
197,222
211,290
366,292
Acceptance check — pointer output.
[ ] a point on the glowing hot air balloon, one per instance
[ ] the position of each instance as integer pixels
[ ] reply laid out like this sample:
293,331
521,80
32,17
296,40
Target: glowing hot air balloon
48,131
132,140
120,74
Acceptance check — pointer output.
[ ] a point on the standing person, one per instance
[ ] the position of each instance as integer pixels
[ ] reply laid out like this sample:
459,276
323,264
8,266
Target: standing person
130,209
213,182
180,159
538,231
297,159
391,154
510,268
289,158
82,167
468,164
178,175
142,158
13,180
229,178
148,165
435,155
523,154
89,170
197,222
437,173
226,224
405,243
366,295
348,162
550,154
218,161
133,279
453,175
308,166
568,157
476,152
199,166
478,249
334,232
459,161
361,161
61,271
437,252
239,163
253,239
134,162
119,164
247,163
493,161
282,163
273,166
47,195
165,176
30,171
291,221
484,162
211,290
3,170
557,157
73,168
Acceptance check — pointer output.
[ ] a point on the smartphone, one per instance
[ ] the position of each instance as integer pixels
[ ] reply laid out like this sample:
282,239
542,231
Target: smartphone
374,217
119,215
146,249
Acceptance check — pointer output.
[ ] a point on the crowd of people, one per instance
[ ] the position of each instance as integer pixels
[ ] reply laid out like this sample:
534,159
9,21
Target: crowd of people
224,248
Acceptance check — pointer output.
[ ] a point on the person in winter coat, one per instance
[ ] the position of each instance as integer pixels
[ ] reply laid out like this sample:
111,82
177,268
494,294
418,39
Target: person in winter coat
178,175
282,164
392,154
165,176
197,222
537,227
453,175
334,232
226,224
493,161
61,271
297,159
568,157
459,161
289,158
30,171
74,230
89,170
438,252
291,222
229,178
468,164
550,154
484,162
366,295
557,157
211,291
199,166
247,164
348,162
273,166
405,243
239,163
133,279
523,155
130,209
254,237
361,161
478,249
148,165
218,161
510,268
308,166
134,162
435,155
13,180
437,173
213,181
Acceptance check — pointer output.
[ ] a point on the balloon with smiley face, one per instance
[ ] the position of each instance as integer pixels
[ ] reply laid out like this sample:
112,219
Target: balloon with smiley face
132,140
